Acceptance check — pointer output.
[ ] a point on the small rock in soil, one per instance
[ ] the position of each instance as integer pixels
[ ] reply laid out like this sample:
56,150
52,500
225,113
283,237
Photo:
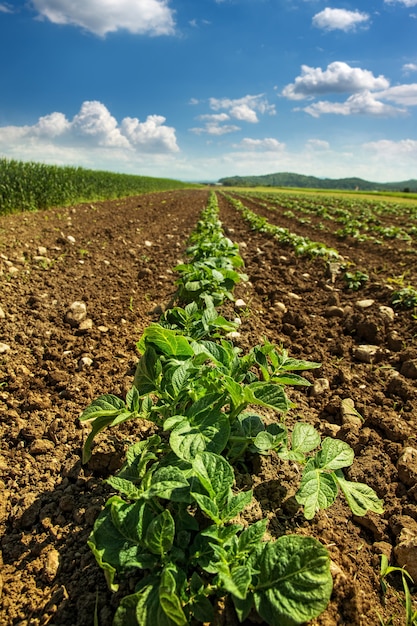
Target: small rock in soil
365,304
349,414
409,369
406,555
387,313
4,347
334,311
395,343
86,324
41,446
407,466
320,386
51,566
85,362
365,354
76,313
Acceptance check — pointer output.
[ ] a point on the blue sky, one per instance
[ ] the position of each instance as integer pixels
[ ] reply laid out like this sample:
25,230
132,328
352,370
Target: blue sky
201,89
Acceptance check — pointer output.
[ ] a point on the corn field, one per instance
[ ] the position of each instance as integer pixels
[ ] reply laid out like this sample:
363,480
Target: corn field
27,186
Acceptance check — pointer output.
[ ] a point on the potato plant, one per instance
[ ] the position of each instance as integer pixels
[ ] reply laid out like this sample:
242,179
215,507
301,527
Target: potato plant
175,528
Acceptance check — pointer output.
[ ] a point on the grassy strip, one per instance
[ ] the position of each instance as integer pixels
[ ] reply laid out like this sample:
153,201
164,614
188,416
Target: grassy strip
32,186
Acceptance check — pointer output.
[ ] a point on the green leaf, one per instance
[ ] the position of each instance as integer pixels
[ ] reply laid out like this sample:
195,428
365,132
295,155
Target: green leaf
334,454
252,536
133,399
215,474
107,410
268,394
192,436
203,610
208,507
169,483
304,438
105,406
236,504
115,540
159,537
290,364
148,371
169,599
318,490
181,376
125,487
290,379
142,608
359,496
294,583
243,607
167,341
237,580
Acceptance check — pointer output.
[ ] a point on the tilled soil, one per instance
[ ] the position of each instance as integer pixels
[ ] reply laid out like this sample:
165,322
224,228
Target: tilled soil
117,258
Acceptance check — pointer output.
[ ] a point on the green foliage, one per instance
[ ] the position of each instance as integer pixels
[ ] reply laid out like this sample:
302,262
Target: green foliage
405,298
173,529
302,245
385,570
32,186
355,280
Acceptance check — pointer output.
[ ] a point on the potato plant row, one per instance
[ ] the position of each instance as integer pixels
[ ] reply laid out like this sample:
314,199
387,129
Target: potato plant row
362,219
175,526
32,186
405,297
301,245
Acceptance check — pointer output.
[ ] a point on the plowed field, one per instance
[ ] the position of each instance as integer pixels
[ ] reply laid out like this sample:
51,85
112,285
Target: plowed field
117,258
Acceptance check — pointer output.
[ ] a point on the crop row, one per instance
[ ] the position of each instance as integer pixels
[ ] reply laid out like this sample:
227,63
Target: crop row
173,529
32,186
359,218
302,245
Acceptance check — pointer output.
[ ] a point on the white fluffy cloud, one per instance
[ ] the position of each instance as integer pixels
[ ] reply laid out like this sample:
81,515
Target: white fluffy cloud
339,77
152,17
406,3
91,129
269,144
400,94
244,109
363,103
340,19
394,149
317,144
409,67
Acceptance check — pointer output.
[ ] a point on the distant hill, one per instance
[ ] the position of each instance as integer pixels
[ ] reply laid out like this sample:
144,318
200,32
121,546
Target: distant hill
288,179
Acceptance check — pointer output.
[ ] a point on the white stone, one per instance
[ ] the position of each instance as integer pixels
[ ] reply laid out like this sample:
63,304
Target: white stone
280,306
148,244
42,251
365,304
71,239
2,314
320,386
387,313
240,304
365,354
294,296
85,362
4,348
407,466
